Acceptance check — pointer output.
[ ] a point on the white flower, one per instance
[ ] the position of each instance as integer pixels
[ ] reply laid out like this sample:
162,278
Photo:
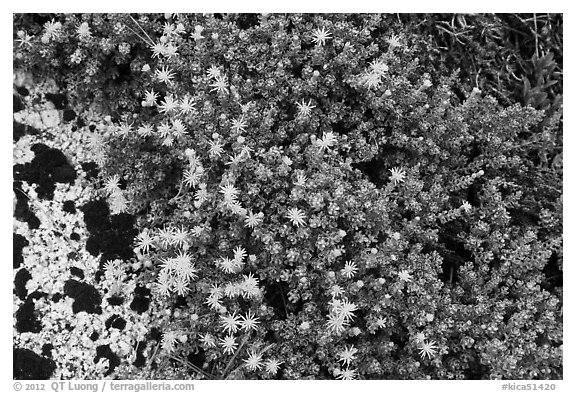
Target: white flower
181,286
208,340
254,361
83,31
215,148
165,236
239,254
52,29
144,241
145,130
345,309
164,129
428,349
336,290
112,185
220,85
336,323
347,355
371,80
229,344
228,265
319,36
184,266
349,269
348,374
191,177
178,128
235,159
150,98
169,340
179,237
230,323
398,175
405,276
253,219
301,179
466,206
271,366
305,109
158,49
164,286
24,39
169,28
168,105
164,75
197,35
393,41
186,105
230,192
238,125
378,67
249,322
124,129
214,301
168,141
250,286
296,216
213,72
420,337
328,140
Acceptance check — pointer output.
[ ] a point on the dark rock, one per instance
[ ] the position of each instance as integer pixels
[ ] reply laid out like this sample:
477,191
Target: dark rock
18,131
74,236
26,319
59,100
20,281
155,334
47,350
80,123
96,215
198,358
37,295
115,300
68,115
47,167
29,365
140,359
22,210
64,174
17,104
104,351
22,91
91,170
115,321
141,300
77,272
94,336
18,244
57,297
86,297
122,222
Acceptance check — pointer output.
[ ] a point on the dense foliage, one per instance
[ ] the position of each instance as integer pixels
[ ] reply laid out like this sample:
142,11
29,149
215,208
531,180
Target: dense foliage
325,196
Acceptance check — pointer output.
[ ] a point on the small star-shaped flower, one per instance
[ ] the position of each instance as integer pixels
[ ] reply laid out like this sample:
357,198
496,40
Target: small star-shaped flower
405,276
398,175
304,109
320,36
